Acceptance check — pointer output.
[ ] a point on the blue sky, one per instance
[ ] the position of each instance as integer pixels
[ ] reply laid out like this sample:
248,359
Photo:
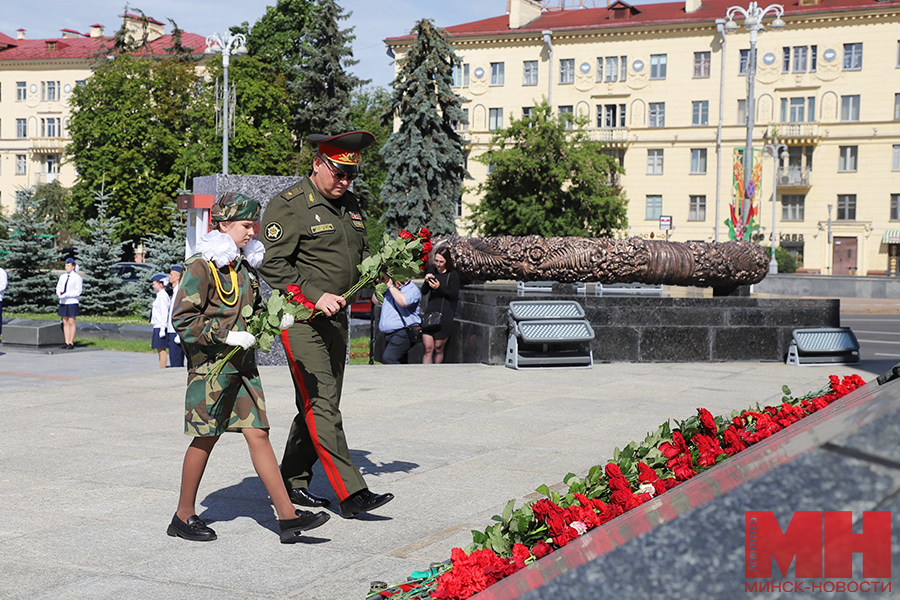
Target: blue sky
373,20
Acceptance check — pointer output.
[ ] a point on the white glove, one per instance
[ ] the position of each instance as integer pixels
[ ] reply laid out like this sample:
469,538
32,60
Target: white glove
162,332
244,339
287,320
177,339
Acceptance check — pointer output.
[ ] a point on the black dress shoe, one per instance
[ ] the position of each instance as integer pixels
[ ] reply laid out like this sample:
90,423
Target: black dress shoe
363,501
304,497
305,521
194,530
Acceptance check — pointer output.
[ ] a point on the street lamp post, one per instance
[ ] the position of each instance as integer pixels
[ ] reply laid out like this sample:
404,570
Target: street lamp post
226,46
776,151
752,16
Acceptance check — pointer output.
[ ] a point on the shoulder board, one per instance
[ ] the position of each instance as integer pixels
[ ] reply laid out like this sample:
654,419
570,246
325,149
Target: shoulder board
295,191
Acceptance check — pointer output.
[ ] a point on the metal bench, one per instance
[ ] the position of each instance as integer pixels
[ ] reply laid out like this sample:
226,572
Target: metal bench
548,333
628,289
823,346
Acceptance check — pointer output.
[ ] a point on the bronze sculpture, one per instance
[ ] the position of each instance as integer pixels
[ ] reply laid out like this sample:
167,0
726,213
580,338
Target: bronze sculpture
606,260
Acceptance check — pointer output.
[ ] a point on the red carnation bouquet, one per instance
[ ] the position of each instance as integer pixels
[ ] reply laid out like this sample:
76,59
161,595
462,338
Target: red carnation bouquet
266,325
399,259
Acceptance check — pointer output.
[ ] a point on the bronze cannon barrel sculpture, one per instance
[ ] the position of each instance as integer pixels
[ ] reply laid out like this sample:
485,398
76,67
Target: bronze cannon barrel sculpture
607,260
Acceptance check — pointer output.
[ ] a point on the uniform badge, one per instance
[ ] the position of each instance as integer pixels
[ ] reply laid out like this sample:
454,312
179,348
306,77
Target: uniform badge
311,199
318,219
274,231
323,228
355,216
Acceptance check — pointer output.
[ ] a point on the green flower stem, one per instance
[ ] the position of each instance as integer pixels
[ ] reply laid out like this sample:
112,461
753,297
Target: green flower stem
363,282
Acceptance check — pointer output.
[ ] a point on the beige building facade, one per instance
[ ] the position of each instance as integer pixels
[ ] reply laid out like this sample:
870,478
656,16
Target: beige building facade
37,80
666,87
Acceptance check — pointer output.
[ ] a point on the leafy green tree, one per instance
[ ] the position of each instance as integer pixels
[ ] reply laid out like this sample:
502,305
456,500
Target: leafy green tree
324,87
548,180
424,156
103,293
130,124
261,142
28,260
277,38
367,106
53,206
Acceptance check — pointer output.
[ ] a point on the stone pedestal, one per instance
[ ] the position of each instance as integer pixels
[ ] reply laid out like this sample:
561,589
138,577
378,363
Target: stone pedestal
33,332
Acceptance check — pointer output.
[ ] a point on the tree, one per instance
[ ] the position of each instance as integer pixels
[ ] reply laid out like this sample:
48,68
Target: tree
29,257
367,106
102,293
424,156
131,124
549,180
53,207
277,38
323,88
166,250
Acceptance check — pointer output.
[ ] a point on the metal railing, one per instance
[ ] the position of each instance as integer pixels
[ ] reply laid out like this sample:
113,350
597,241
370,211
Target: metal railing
793,176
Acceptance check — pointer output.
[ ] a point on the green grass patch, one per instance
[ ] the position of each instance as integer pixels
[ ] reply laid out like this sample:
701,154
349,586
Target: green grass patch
359,351
118,345
125,320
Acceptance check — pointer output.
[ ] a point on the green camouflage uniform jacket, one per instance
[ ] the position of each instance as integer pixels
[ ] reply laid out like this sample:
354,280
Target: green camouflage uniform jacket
203,320
313,242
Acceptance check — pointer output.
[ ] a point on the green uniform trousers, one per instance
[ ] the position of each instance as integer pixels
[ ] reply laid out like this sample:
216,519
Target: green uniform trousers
317,353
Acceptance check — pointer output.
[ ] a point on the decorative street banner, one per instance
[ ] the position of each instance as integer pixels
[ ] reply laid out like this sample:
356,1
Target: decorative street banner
743,197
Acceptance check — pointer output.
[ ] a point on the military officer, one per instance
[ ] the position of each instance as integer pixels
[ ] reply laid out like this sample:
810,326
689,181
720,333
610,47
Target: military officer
315,238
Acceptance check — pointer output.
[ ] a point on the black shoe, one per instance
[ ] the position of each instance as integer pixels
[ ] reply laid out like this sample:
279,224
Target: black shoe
70,346
194,530
305,521
363,501
304,497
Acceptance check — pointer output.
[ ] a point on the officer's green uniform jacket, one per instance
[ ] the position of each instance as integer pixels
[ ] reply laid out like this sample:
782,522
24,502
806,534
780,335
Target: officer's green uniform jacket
313,242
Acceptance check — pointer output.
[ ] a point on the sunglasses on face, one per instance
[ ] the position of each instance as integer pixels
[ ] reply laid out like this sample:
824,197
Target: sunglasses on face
338,175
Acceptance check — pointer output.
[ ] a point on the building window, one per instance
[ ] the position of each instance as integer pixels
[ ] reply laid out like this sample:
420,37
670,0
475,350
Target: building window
460,76
853,57
654,207
895,207
786,59
698,161
895,158
567,70
745,60
21,128
526,112
459,125
897,107
700,113
742,112
792,207
495,119
798,110
50,127
813,56
567,110
796,59
530,72
49,91
702,61
846,207
657,114
615,68
658,66
497,73
20,91
655,161
847,160
850,108
610,115
697,208
20,164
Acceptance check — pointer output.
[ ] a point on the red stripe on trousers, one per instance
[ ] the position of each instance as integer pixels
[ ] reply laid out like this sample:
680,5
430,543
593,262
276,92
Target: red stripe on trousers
331,471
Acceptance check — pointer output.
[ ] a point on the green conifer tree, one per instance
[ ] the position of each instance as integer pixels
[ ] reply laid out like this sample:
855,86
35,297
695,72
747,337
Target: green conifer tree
163,251
324,87
424,156
103,293
28,260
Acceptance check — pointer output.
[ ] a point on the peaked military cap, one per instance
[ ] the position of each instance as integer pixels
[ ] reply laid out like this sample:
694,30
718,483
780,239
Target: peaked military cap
234,206
343,150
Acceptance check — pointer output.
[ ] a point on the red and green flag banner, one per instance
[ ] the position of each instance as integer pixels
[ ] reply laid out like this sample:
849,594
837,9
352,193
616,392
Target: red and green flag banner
744,210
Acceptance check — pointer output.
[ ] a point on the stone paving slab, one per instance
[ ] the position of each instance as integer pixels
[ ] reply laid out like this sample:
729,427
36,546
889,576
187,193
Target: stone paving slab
90,464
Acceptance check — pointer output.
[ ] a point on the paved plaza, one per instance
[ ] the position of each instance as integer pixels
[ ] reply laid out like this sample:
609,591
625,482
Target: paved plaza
92,449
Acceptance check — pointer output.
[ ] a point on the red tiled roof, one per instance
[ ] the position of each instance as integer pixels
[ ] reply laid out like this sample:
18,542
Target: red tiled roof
644,15
85,47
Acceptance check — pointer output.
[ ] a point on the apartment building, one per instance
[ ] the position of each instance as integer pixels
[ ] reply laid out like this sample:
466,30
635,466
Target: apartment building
666,88
37,78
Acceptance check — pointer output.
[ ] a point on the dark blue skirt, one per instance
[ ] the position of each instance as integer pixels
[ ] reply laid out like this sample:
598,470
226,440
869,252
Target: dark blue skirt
159,343
68,310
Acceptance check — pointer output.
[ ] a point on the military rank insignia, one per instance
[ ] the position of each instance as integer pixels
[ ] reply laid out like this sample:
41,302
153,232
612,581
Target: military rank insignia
323,228
274,231
355,216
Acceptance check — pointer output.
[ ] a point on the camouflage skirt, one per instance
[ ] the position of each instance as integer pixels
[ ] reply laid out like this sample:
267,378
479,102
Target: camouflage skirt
230,402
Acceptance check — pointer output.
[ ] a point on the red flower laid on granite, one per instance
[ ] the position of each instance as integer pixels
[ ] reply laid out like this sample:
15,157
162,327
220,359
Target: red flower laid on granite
708,422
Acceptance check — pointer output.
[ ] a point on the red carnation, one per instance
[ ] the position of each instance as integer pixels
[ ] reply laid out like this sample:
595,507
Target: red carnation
708,422
541,549
709,449
613,470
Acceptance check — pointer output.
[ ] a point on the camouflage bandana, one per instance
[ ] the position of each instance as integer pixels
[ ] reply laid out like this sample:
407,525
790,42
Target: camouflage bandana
235,207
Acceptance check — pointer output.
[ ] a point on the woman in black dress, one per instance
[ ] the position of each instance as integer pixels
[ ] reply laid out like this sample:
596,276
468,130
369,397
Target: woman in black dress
442,286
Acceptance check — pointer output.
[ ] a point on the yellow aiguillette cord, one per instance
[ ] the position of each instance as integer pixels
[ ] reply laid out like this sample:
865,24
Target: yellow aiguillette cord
222,293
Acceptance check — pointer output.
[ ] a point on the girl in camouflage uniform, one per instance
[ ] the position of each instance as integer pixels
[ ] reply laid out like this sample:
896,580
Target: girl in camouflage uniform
217,283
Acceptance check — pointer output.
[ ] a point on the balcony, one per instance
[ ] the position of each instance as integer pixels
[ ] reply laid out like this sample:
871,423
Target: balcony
44,178
793,177
616,137
48,145
794,134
